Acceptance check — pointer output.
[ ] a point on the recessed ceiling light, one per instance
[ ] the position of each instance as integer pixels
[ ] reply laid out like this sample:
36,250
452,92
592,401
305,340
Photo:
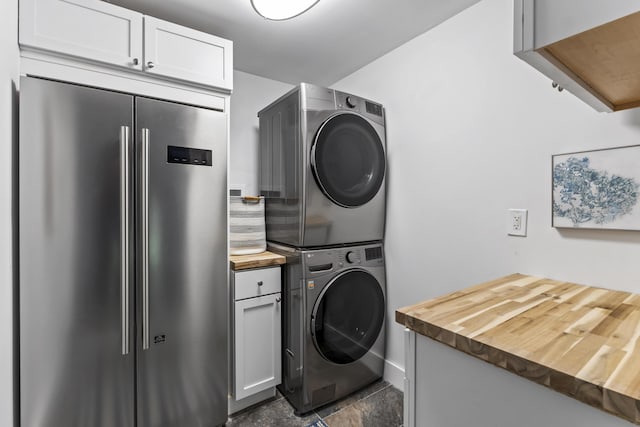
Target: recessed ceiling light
279,10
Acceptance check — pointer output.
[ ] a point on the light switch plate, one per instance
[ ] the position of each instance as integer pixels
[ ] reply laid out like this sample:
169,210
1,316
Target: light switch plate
517,222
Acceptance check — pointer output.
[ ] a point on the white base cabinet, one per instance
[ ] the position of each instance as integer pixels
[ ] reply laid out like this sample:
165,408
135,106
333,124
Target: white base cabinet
448,388
256,335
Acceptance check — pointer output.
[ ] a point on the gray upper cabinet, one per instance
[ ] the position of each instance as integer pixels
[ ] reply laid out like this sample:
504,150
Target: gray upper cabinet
589,47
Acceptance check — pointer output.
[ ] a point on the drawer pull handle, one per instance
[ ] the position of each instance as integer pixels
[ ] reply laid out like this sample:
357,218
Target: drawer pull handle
260,283
278,299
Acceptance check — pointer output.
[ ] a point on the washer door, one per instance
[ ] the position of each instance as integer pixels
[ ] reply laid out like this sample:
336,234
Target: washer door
348,316
348,160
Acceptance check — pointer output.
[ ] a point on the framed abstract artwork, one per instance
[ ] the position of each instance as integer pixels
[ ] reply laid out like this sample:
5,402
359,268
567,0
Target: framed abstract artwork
597,189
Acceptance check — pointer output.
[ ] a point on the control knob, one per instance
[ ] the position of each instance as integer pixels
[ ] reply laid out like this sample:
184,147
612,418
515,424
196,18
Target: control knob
352,257
351,103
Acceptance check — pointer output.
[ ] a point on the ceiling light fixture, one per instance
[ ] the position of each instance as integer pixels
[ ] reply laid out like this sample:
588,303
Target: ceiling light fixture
279,10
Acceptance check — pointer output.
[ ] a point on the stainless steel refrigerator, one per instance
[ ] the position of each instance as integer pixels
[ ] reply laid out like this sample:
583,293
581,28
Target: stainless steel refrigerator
123,260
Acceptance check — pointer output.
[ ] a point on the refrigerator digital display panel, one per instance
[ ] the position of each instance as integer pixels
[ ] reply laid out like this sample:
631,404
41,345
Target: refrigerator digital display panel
189,156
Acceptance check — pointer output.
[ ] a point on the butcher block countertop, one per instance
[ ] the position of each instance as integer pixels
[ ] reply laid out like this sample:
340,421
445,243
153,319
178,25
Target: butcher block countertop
263,259
579,340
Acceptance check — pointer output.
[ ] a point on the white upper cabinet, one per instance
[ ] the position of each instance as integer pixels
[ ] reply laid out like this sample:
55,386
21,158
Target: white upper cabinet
88,29
589,47
101,32
183,53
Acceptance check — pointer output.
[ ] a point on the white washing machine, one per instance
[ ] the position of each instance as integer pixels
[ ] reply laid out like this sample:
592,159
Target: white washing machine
322,168
333,322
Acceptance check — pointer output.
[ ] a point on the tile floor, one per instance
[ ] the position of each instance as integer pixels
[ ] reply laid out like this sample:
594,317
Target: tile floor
378,405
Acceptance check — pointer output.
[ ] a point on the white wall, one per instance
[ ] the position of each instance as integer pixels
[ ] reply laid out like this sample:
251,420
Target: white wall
250,95
471,130
8,74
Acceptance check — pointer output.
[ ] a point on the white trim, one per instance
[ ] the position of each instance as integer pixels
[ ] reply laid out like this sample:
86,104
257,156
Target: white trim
410,378
393,374
57,68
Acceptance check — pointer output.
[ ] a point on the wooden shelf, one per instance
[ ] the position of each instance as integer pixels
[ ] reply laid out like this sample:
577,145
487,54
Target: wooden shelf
579,340
264,259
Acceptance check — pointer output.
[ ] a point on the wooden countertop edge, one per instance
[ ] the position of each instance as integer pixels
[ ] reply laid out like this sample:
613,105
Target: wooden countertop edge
263,259
622,406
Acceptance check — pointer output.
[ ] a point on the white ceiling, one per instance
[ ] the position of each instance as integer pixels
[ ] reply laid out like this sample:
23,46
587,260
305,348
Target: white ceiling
329,42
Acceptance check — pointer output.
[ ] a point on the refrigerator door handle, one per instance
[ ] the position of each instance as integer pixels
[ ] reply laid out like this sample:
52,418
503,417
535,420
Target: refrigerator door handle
124,236
145,238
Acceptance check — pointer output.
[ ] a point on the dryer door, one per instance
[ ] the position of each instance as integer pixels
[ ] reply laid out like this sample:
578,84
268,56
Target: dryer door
348,160
348,316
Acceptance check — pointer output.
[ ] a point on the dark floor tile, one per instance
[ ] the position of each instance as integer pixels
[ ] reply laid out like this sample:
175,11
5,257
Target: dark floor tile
277,413
381,409
331,408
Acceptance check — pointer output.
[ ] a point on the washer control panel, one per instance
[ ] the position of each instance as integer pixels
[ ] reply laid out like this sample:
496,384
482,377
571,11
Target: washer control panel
320,262
328,260
361,256
373,253
353,257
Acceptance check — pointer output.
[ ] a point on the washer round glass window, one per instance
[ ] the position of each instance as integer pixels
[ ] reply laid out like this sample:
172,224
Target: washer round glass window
348,160
348,317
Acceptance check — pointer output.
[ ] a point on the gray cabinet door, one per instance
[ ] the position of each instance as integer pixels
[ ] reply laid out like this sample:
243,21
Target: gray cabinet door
183,267
73,321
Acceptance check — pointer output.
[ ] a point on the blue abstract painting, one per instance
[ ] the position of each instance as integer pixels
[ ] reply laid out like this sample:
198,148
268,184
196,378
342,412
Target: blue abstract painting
597,189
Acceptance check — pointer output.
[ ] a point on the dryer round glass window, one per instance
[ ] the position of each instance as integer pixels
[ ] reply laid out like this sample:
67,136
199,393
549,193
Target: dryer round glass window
348,160
348,317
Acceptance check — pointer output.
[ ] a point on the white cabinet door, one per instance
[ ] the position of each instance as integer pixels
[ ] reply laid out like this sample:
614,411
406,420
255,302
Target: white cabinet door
257,345
174,51
89,29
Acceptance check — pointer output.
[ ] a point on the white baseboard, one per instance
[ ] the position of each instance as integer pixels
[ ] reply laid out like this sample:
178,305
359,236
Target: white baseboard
394,374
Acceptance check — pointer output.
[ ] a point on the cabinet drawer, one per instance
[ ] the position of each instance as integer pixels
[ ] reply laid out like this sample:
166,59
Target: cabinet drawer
255,283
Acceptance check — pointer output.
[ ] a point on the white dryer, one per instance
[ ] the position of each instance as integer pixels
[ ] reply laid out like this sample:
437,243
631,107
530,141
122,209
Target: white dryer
322,168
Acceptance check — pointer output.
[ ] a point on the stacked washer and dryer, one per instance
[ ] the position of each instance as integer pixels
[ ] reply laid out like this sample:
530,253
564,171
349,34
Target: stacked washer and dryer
322,172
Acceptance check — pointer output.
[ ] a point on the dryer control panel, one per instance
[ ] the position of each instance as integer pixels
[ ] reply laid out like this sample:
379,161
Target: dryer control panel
369,109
